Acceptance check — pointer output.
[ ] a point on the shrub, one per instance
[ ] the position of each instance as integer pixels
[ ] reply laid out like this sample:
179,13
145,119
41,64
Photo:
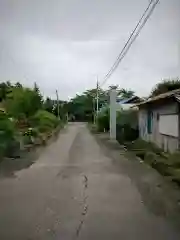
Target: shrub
128,117
140,144
150,158
27,139
127,126
126,133
33,132
7,133
44,121
22,101
103,121
168,165
175,175
174,160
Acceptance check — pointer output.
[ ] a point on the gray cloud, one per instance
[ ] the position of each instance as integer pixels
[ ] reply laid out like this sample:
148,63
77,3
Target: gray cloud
64,44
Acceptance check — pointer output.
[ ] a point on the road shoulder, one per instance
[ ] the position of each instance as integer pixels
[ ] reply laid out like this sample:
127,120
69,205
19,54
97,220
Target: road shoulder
160,196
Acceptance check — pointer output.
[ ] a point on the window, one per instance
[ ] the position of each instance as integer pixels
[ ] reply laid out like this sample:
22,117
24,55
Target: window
169,125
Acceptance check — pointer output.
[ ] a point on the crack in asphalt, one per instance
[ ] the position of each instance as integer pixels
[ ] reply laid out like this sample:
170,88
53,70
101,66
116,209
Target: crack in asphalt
85,206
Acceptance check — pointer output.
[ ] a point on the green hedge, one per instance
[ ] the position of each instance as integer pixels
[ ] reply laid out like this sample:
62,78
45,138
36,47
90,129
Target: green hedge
103,121
8,143
44,121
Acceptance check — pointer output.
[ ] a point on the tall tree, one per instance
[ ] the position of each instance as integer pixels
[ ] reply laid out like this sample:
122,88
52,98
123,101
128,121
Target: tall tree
18,85
22,101
126,93
165,86
84,106
48,105
38,99
113,87
5,88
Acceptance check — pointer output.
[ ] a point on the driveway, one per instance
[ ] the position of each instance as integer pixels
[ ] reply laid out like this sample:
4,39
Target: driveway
75,191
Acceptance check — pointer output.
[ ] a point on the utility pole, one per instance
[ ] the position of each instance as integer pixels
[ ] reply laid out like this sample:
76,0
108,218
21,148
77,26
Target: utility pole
113,108
57,103
97,97
94,109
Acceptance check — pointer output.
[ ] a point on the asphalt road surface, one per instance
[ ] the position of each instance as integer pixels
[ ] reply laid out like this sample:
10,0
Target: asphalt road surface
74,191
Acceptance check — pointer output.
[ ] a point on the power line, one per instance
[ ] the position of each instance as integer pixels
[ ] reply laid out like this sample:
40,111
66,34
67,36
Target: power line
146,10
126,46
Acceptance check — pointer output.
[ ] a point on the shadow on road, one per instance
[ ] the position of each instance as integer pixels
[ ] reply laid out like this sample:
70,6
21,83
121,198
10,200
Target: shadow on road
9,166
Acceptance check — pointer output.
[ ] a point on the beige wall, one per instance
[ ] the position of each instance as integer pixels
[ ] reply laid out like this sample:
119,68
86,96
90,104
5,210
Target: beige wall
168,143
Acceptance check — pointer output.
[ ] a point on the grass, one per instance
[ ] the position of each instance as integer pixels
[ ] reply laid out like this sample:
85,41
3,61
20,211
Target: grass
165,164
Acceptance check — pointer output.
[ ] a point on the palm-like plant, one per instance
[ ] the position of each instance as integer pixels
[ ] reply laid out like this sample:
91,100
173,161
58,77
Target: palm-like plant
126,93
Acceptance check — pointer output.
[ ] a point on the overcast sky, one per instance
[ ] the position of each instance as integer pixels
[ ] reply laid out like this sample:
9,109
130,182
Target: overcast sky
64,44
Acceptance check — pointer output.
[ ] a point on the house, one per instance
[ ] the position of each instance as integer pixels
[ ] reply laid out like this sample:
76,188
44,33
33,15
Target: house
159,120
127,103
130,100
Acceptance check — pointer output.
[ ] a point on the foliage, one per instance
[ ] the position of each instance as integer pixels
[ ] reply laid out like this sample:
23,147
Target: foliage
22,101
127,125
165,86
44,121
63,109
32,132
83,107
27,139
24,118
125,93
52,107
167,166
174,174
103,120
145,146
7,132
5,88
48,105
7,127
129,117
37,97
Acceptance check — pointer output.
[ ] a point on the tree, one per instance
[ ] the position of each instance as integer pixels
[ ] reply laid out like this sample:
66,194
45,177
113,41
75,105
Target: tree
5,88
83,107
38,100
7,129
63,109
113,87
48,105
22,101
165,86
126,93
18,85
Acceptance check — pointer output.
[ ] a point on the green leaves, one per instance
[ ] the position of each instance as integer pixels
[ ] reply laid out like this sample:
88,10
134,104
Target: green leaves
165,86
44,121
22,101
7,132
126,93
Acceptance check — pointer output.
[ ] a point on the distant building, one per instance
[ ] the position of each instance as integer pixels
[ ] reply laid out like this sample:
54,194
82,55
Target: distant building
127,103
159,120
123,103
131,100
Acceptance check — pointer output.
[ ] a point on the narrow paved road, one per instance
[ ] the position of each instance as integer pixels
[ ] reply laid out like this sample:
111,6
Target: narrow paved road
74,191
